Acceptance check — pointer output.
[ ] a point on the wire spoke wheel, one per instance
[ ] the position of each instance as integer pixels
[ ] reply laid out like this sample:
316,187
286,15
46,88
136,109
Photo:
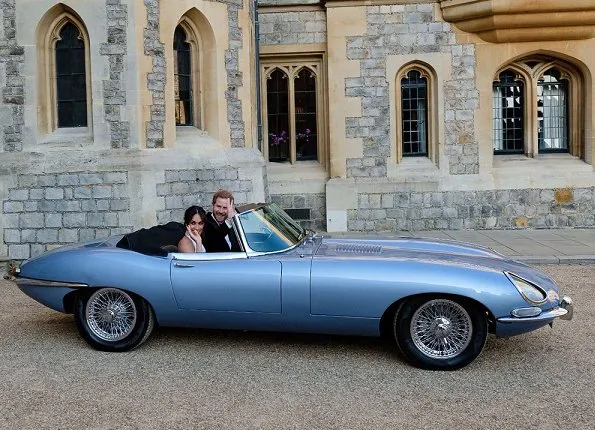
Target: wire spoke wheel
441,329
111,314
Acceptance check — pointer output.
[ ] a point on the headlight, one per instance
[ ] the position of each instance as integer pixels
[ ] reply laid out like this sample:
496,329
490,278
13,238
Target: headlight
530,292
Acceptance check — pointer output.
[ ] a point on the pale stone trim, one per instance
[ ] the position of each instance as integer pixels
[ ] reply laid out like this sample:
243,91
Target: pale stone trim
47,37
501,21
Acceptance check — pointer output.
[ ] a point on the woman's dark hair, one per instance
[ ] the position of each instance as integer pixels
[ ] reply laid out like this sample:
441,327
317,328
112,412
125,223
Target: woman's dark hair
194,210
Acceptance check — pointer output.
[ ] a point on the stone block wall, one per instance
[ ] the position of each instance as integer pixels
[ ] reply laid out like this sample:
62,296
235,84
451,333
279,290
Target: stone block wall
114,92
315,202
186,187
456,210
404,30
289,28
12,82
44,211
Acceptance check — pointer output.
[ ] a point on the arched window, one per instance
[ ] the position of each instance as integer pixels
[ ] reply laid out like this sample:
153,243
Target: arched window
64,72
183,93
278,116
71,88
508,113
552,112
292,111
537,107
414,114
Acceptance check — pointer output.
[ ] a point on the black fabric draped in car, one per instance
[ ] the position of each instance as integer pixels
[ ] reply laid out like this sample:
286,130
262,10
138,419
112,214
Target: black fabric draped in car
157,240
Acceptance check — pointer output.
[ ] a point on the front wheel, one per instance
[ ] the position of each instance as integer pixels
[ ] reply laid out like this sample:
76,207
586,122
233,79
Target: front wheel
113,320
440,333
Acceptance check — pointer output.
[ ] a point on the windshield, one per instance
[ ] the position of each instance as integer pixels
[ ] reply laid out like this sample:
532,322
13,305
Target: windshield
269,229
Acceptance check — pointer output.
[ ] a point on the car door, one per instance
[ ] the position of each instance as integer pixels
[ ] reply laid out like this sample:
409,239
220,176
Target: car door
227,281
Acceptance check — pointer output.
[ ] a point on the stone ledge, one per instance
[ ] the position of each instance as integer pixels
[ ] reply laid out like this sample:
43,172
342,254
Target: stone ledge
501,21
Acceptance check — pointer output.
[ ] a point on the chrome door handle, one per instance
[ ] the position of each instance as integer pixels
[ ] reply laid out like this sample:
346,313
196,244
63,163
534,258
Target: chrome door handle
182,265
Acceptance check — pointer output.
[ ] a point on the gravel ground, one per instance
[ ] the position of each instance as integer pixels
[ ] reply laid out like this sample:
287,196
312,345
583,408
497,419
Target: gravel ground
199,379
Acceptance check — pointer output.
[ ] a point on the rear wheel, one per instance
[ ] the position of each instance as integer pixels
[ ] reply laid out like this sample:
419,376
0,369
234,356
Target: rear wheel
110,319
440,332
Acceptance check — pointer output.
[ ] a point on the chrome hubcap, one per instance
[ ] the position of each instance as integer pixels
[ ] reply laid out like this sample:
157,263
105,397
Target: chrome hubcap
111,314
441,329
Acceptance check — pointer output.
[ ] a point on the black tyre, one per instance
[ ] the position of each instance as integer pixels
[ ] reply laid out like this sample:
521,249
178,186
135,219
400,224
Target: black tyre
113,320
440,332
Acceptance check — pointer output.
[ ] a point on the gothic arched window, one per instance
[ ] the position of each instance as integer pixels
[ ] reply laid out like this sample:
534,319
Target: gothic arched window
183,78
71,88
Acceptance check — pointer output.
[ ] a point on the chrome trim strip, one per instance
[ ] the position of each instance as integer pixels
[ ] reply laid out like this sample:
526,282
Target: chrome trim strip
544,316
208,256
44,283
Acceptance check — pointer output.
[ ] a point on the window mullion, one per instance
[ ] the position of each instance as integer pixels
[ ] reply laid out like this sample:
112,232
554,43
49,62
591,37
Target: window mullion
292,146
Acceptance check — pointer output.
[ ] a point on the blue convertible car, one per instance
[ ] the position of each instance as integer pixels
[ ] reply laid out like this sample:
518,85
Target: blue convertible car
437,300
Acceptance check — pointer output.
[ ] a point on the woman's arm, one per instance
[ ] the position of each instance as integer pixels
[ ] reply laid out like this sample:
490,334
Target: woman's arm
185,245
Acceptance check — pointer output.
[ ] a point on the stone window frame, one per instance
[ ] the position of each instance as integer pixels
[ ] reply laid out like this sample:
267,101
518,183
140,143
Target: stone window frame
530,70
48,36
292,65
429,74
197,64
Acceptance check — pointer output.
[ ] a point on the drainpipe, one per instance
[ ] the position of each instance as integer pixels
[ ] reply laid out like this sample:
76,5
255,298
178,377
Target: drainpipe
257,63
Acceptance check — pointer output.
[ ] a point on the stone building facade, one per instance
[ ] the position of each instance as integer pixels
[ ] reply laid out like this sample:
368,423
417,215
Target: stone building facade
367,115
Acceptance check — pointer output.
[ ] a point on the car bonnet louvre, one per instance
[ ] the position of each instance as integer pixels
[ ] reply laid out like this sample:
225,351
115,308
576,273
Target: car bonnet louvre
360,249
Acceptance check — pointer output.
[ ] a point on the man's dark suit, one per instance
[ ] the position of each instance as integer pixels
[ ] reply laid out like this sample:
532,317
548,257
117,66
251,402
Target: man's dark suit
214,236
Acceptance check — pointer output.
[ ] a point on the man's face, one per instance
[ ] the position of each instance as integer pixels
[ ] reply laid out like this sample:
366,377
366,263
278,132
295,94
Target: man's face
220,209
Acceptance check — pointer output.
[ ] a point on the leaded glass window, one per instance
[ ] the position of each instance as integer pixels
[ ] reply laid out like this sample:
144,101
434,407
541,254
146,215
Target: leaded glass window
292,104
278,116
414,114
508,113
305,115
552,112
71,86
182,78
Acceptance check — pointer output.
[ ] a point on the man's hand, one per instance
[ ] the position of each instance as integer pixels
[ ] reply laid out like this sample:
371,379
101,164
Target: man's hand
232,210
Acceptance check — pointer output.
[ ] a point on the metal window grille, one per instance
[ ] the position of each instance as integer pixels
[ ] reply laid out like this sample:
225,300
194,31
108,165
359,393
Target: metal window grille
414,112
552,112
182,78
508,114
71,83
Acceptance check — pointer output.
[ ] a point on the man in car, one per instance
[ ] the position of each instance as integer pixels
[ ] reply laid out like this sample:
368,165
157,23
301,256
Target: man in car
218,233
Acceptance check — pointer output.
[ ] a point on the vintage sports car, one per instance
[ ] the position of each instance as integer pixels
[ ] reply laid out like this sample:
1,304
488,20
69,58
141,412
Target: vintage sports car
437,300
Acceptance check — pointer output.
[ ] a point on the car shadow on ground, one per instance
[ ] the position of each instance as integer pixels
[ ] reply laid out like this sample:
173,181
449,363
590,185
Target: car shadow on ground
262,341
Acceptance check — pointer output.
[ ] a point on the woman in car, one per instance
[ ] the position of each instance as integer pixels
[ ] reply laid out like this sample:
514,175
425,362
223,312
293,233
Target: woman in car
194,221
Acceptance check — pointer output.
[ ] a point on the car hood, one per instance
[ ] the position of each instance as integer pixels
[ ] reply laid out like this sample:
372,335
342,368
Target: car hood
431,251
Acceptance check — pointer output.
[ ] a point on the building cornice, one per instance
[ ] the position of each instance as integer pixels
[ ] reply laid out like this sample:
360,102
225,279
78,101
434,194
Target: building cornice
501,21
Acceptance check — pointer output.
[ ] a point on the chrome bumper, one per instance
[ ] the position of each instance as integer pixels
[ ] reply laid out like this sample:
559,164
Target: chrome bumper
564,311
12,271
566,303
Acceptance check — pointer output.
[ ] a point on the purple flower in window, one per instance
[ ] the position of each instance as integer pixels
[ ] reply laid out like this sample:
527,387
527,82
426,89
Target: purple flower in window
305,135
278,139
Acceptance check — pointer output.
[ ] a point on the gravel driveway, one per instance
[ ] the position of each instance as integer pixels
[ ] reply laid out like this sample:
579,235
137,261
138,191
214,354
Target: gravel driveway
199,379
